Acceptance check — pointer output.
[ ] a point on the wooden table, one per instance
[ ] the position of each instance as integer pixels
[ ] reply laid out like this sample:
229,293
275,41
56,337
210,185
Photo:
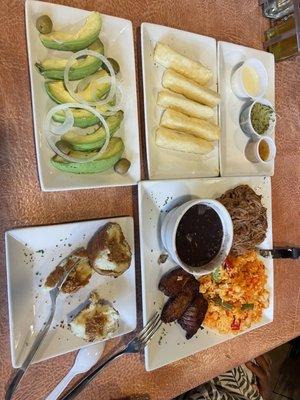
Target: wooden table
23,203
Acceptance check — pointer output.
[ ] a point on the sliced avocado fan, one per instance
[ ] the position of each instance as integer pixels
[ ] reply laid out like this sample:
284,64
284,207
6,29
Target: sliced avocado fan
112,154
53,68
68,41
96,139
58,92
83,118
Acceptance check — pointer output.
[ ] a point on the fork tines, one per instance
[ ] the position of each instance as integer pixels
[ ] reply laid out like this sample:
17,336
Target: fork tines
149,330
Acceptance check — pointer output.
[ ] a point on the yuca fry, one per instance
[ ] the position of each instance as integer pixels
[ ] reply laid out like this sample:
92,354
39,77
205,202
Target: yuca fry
169,58
180,141
180,103
189,88
180,122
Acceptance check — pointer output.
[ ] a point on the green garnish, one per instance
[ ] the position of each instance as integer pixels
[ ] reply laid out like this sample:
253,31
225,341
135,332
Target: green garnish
219,302
247,306
260,117
216,274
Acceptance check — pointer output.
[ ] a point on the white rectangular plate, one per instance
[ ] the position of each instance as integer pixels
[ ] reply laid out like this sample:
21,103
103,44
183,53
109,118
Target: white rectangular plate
117,36
155,198
233,140
29,304
162,163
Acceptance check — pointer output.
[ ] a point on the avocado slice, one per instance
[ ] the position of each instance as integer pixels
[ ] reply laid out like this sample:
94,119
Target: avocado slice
53,68
112,154
96,139
96,90
58,92
59,40
82,118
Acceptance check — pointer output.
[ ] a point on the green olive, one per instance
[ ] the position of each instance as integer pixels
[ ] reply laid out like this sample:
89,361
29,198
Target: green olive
122,166
44,24
114,64
63,147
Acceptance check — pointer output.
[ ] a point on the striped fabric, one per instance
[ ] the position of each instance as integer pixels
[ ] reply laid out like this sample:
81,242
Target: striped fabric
236,384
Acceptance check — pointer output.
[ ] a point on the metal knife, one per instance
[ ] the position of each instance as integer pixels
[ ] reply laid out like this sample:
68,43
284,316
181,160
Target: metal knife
54,292
281,252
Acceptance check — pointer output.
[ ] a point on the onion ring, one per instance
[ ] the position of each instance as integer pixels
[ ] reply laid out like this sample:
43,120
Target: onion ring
53,146
68,123
104,60
111,110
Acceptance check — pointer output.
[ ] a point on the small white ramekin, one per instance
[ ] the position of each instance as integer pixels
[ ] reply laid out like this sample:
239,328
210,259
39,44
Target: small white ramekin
169,229
246,124
252,150
237,84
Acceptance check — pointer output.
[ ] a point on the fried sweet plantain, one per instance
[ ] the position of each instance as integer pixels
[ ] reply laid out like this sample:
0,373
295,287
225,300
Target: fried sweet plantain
193,316
176,281
176,306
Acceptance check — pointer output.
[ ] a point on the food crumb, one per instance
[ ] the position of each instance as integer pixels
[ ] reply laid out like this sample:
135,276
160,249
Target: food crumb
163,258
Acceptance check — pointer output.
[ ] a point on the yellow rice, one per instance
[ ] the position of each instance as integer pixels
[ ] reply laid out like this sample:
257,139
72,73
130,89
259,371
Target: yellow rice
244,282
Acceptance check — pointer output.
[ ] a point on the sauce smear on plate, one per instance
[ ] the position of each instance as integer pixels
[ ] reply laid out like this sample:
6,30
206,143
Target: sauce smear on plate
251,80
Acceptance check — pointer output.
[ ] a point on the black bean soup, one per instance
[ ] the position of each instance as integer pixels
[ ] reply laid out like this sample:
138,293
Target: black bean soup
199,236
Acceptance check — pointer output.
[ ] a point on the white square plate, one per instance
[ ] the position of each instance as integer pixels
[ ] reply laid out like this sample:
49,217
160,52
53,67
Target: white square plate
31,254
155,199
162,163
233,140
116,33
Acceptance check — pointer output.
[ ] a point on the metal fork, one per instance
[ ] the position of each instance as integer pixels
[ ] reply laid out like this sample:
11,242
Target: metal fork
136,345
54,292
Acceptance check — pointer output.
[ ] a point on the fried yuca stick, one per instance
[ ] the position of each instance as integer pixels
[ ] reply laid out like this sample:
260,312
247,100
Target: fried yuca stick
168,99
173,140
180,122
169,58
189,88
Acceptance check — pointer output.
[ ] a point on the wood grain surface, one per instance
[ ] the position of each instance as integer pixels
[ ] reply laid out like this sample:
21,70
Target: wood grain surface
23,204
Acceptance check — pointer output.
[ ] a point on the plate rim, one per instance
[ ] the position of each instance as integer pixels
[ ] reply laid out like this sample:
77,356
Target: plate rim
144,25
9,233
141,190
38,147
220,44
